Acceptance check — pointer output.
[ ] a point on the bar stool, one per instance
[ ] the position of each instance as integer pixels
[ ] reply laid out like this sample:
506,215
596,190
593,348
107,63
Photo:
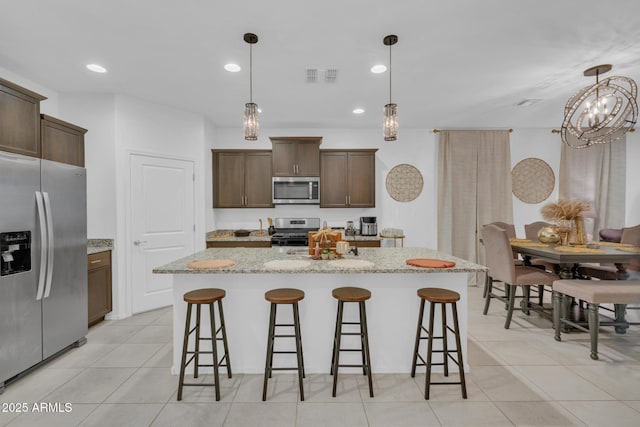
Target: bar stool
275,297
199,297
359,295
442,297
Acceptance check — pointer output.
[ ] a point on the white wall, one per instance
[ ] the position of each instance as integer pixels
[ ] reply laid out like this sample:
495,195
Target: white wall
118,126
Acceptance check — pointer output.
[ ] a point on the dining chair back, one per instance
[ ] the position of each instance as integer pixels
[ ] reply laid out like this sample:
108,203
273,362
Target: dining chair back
531,230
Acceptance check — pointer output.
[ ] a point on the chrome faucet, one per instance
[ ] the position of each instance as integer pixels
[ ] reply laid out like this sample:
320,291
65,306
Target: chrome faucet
354,250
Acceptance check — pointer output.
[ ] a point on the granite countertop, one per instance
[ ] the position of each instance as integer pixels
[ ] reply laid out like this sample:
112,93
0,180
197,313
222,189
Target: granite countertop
252,260
95,246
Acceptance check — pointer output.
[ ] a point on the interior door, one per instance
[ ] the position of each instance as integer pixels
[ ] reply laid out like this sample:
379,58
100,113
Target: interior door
163,225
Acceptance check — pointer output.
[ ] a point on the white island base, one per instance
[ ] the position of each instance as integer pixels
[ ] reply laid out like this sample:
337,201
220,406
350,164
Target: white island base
392,315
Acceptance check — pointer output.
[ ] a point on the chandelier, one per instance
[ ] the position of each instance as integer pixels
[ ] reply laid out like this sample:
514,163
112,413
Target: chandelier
390,124
251,124
600,113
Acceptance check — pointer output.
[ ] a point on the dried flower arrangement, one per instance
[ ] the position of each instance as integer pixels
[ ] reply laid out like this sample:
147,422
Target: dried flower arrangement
564,209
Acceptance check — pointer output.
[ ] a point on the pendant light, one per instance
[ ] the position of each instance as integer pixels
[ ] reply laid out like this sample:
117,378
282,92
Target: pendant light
600,113
251,124
390,125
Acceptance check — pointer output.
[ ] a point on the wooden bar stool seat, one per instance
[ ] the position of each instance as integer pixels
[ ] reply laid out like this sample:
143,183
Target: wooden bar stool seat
442,297
276,297
358,295
199,297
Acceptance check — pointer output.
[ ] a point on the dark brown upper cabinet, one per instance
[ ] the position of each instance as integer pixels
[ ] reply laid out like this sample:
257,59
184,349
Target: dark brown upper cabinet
348,178
296,155
19,119
241,179
61,141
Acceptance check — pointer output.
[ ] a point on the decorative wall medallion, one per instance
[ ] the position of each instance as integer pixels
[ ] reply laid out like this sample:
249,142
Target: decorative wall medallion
532,180
404,183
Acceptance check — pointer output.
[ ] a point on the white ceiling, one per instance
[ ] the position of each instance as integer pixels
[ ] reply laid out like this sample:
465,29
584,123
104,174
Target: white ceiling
458,63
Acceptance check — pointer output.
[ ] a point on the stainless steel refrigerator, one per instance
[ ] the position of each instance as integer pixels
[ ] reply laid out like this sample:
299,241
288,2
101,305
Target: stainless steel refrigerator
43,252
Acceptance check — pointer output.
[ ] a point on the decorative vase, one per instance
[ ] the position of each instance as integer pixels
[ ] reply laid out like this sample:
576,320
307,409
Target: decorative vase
578,235
564,228
549,234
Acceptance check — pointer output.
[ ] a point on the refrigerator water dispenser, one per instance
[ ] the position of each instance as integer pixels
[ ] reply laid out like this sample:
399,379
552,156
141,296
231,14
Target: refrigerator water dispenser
15,252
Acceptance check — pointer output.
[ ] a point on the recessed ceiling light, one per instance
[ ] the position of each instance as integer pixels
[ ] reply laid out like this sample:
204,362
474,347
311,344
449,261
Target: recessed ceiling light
232,68
378,69
358,111
96,68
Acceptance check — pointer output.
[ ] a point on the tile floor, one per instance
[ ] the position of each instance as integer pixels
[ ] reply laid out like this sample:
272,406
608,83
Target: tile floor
519,376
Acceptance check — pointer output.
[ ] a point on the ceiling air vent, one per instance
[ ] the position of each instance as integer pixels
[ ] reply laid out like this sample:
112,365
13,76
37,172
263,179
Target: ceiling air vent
326,75
312,75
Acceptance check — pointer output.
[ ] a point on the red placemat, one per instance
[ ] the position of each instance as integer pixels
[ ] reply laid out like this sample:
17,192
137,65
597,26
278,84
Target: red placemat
430,263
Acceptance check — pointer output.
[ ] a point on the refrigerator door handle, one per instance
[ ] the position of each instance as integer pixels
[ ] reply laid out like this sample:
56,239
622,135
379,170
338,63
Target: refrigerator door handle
50,245
43,245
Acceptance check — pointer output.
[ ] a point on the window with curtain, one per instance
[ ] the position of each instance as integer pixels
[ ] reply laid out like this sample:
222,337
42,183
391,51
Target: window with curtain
596,174
474,188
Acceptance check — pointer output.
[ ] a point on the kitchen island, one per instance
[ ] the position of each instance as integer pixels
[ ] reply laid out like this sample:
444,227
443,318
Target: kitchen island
392,311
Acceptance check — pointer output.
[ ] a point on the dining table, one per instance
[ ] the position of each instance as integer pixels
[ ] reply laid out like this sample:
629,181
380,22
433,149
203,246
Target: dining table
570,257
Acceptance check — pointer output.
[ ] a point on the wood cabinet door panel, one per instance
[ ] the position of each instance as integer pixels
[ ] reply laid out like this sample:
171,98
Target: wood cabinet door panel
308,159
99,294
257,185
228,185
361,180
62,142
333,180
284,158
19,121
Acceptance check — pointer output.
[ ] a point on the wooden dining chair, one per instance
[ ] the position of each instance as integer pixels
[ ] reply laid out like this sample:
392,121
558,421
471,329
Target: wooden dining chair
499,259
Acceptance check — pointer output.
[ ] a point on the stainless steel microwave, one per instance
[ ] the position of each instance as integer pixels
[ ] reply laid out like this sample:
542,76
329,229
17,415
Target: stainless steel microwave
296,190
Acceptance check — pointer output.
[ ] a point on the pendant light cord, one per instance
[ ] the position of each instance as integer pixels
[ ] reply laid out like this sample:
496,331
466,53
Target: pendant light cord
251,73
390,74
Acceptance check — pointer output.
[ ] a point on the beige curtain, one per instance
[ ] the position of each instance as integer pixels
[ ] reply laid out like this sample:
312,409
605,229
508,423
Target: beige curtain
474,188
596,174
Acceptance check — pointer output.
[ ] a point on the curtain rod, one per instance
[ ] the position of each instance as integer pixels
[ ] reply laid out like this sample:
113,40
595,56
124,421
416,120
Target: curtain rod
440,130
558,130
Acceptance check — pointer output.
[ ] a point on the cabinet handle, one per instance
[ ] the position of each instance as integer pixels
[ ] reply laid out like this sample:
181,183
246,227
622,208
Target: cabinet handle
349,200
346,200
96,261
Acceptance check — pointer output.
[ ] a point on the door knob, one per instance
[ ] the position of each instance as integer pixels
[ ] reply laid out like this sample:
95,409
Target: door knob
139,242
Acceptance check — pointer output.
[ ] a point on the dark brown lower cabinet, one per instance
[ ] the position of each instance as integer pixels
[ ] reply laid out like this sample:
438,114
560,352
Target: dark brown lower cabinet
99,286
244,244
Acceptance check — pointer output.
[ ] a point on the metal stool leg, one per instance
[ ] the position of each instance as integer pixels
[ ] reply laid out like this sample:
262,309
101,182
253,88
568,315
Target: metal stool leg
336,348
214,351
185,344
296,325
197,347
463,384
335,337
365,337
417,344
445,348
429,351
269,358
223,329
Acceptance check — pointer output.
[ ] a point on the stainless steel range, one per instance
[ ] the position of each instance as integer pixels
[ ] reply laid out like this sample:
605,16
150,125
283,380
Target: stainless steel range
293,231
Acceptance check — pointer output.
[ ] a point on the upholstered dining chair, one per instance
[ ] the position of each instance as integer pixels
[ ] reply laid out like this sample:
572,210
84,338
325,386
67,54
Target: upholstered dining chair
511,233
630,236
499,259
